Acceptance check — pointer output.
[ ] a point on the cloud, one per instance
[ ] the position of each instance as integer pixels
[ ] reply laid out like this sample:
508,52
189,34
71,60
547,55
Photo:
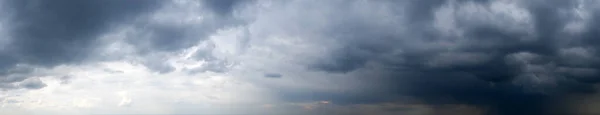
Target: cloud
137,91
47,34
273,75
32,83
504,55
125,99
497,57
223,7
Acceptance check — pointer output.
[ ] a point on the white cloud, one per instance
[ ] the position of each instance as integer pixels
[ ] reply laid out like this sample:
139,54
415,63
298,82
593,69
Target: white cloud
93,90
125,99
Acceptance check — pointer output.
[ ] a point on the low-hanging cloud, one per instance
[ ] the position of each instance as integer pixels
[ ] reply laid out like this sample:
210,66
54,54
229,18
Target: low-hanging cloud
46,34
50,33
514,57
508,57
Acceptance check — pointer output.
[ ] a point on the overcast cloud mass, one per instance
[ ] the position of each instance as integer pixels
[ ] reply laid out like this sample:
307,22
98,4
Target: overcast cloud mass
299,57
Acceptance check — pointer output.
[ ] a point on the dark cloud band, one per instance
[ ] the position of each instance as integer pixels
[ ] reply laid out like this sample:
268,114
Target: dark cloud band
513,70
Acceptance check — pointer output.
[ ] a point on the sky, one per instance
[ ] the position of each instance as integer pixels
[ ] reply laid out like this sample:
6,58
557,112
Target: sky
299,57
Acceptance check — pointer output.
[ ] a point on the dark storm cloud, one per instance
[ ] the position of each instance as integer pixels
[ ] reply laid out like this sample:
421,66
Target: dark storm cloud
55,32
512,72
223,7
49,33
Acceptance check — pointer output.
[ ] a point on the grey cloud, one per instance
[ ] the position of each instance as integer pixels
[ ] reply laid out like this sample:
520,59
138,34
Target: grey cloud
166,37
32,83
437,51
5,87
157,63
17,81
273,75
212,62
65,79
224,7
166,33
50,33
14,78
512,63
344,61
15,75
216,66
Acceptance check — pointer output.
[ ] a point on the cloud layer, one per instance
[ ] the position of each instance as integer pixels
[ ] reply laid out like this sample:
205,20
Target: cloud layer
492,57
